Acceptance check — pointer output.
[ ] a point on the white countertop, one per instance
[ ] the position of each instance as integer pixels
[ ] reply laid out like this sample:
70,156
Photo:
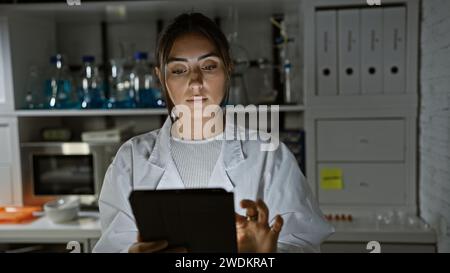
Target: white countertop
87,226
365,230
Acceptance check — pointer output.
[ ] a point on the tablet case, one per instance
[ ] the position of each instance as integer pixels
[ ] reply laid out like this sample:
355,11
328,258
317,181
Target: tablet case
201,220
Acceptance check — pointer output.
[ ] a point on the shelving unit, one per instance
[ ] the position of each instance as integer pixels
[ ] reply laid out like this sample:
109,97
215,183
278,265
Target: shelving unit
87,113
61,25
33,32
118,112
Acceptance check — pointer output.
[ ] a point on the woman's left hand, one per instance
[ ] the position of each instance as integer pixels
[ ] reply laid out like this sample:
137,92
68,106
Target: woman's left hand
253,232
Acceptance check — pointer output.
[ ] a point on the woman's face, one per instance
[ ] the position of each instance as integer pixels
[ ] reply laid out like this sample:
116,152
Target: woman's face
194,72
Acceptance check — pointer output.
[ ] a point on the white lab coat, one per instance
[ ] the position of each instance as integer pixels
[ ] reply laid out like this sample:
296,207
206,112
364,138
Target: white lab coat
145,162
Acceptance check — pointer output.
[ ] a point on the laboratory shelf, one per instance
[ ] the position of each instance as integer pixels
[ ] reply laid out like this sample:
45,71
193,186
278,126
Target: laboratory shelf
118,112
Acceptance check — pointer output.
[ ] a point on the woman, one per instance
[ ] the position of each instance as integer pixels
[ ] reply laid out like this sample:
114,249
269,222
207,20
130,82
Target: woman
194,67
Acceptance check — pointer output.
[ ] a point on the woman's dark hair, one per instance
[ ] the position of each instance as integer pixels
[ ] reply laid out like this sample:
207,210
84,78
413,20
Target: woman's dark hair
192,23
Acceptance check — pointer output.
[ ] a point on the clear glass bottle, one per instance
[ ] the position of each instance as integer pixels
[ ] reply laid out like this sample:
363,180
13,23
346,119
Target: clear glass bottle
58,86
238,91
90,87
121,95
268,94
288,96
33,97
144,85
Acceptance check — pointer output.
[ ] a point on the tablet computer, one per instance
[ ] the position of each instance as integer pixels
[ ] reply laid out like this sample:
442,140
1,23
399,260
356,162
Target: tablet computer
201,220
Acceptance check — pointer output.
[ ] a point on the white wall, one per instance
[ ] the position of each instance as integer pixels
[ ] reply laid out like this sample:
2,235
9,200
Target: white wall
434,186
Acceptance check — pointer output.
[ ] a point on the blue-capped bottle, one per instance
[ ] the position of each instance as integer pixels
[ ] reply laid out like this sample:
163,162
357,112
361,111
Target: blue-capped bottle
59,92
143,83
90,87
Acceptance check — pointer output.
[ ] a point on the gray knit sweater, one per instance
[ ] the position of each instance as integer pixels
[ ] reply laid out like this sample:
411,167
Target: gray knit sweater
195,160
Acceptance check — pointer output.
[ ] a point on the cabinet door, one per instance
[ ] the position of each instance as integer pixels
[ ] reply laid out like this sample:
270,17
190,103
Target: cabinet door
365,184
361,140
5,142
6,193
10,183
5,164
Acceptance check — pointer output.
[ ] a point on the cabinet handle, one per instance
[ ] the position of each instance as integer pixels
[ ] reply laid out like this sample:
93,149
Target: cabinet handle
364,184
364,140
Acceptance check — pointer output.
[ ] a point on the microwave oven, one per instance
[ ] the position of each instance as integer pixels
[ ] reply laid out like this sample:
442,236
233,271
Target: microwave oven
54,169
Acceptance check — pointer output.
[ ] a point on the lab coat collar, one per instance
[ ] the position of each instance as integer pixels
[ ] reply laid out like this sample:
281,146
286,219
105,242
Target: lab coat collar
161,151
223,175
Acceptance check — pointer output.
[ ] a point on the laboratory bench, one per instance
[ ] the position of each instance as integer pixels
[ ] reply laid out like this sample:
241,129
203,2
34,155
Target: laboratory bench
350,236
85,230
354,237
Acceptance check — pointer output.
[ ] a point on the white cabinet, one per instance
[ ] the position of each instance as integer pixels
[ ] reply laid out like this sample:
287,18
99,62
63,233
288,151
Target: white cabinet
364,135
10,191
361,140
9,141
366,184
369,154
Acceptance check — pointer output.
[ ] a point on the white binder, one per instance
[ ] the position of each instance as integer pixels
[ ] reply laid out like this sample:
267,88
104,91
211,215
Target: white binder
326,53
394,48
349,51
372,51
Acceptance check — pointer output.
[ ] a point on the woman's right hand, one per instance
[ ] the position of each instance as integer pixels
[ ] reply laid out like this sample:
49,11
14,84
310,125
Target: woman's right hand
155,246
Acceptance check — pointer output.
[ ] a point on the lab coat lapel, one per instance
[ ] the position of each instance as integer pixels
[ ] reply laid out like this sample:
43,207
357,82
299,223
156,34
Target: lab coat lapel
219,178
226,172
160,172
170,179
229,173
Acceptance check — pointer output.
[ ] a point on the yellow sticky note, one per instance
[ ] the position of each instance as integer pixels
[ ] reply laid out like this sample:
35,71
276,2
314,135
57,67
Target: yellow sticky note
331,179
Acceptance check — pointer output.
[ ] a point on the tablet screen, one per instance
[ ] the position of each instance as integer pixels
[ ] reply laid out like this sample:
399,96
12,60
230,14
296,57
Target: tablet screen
201,220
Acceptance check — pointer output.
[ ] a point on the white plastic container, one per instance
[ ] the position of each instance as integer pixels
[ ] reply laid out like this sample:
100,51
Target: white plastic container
63,209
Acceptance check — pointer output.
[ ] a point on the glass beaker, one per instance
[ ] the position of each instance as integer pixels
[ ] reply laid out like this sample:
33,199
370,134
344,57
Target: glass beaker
268,95
238,90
